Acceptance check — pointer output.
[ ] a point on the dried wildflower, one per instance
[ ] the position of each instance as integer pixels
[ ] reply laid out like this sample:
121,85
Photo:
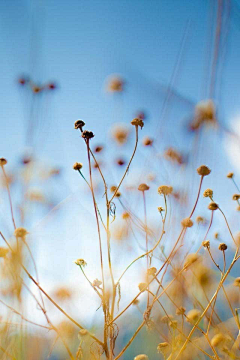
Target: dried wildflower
173,155
218,340
77,166
97,283
165,319
236,197
213,206
3,252
165,190
82,333
87,135
113,188
120,134
3,161
230,175
20,232
137,122
160,209
115,84
143,187
163,347
141,357
173,324
152,271
125,215
206,244
200,219
222,247
98,149
237,282
79,124
142,286
203,170
80,262
181,310
120,162
136,302
187,222
208,193
147,141
193,316
191,259
118,194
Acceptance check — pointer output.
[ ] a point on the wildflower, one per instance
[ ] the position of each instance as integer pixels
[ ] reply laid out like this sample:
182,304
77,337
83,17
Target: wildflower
222,247
187,222
98,149
20,232
142,286
237,282
200,219
77,166
141,357
120,162
236,197
143,187
208,193
160,209
137,122
125,215
136,302
206,244
181,310
218,340
173,324
213,206
203,170
113,188
165,319
120,134
118,194
115,84
82,332
163,347
147,141
152,271
191,259
97,283
3,252
3,161
87,134
165,190
79,124
193,316
80,262
230,175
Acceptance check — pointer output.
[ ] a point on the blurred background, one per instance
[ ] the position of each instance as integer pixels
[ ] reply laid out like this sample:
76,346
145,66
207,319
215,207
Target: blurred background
107,62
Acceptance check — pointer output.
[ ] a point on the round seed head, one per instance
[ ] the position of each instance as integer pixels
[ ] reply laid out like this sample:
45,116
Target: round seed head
3,252
213,206
20,232
97,283
237,282
113,188
187,222
87,134
206,244
79,124
80,262
222,247
208,193
203,170
165,190
142,286
77,166
143,187
181,310
152,271
236,197
141,357
230,175
3,161
137,122
193,316
218,340
125,215
147,141
82,333
163,347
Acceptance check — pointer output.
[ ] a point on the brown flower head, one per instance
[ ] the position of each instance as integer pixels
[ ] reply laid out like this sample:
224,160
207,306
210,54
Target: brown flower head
213,206
137,122
236,197
230,175
87,135
143,187
79,124
222,247
77,166
165,190
203,170
3,161
187,222
208,193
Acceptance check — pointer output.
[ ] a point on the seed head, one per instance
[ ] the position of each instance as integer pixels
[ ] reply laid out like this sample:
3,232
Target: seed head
191,259
203,170
142,286
222,247
187,222
143,187
97,283
77,166
141,357
120,134
113,188
160,209
80,262
206,244
193,316
208,193
120,162
173,155
181,310
137,122
3,161
152,271
115,84
218,340
163,347
165,190
20,232
79,124
98,149
125,215
237,282
118,194
87,134
147,141
82,333
213,206
200,219
236,197
3,252
230,175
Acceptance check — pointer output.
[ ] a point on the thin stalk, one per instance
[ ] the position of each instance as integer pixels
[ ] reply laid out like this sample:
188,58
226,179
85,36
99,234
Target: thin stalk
9,197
